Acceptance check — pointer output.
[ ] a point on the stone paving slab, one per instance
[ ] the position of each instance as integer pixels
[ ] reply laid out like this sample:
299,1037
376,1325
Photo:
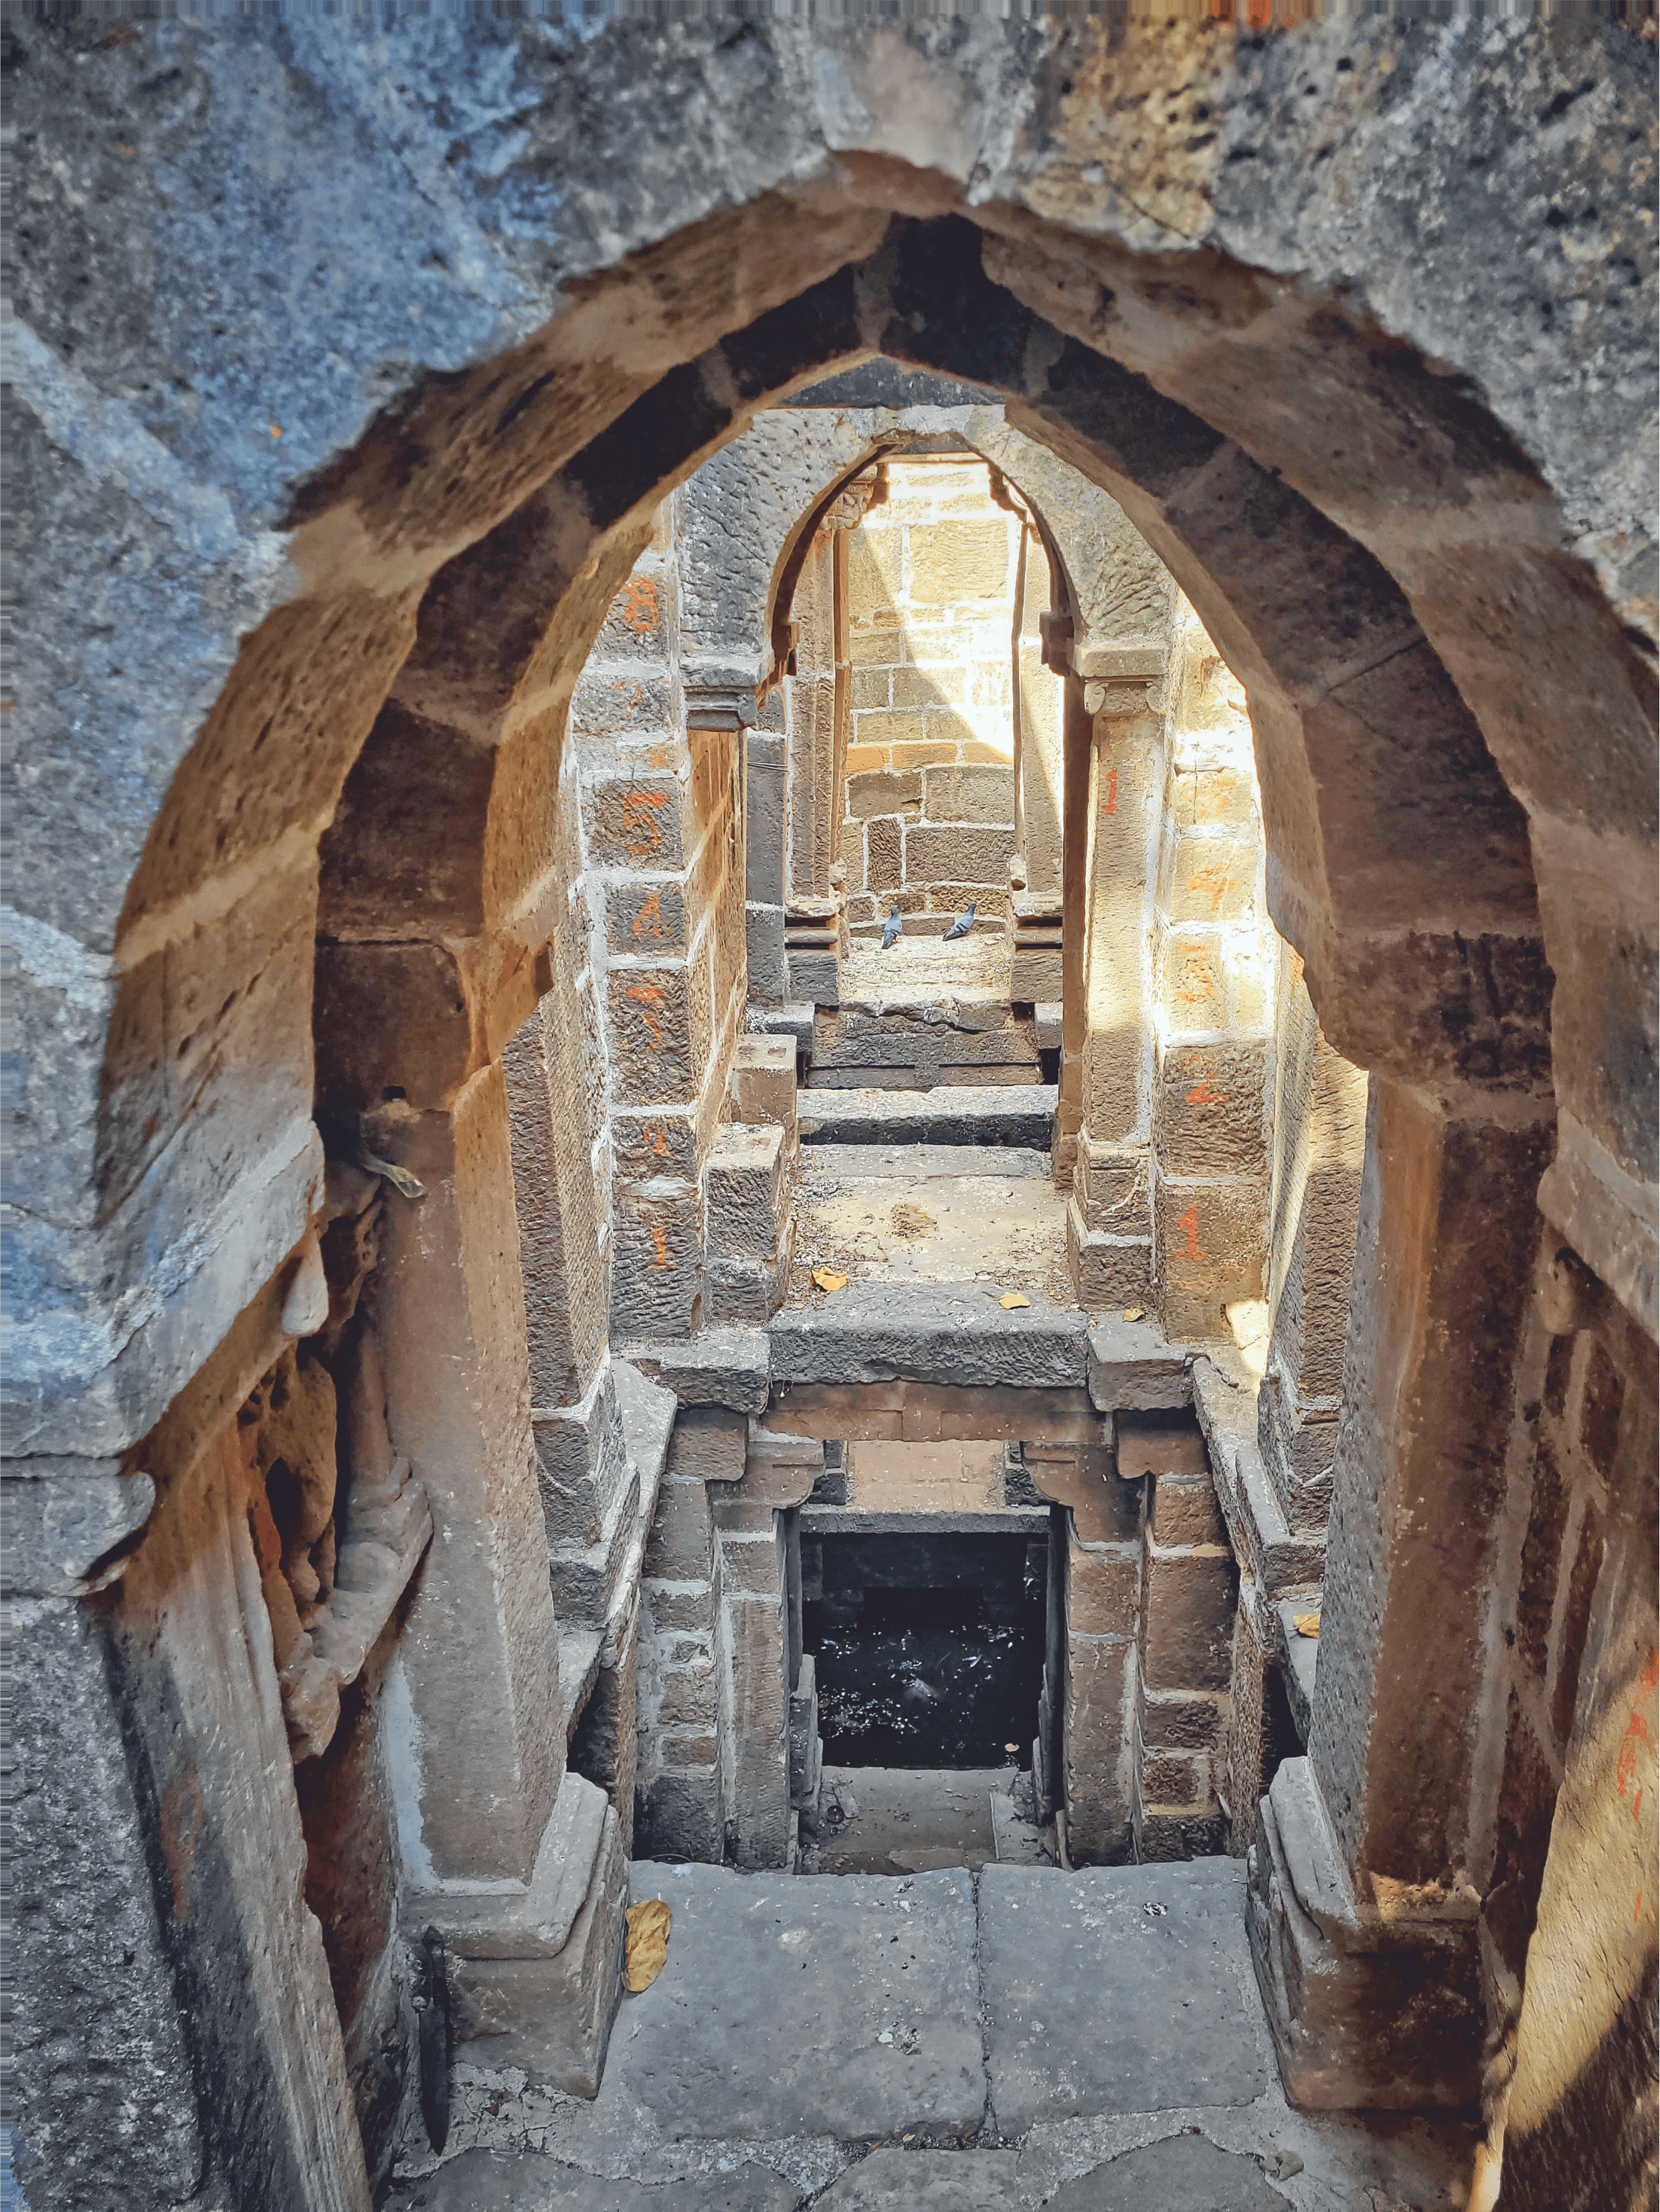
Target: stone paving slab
767,2020
1182,2173
1096,2003
494,2181
928,1331
927,2181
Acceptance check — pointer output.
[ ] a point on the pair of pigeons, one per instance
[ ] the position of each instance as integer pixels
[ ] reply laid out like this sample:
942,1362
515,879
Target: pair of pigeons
960,927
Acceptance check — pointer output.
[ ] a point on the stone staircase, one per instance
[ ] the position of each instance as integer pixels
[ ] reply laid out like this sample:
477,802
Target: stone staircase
1021,2037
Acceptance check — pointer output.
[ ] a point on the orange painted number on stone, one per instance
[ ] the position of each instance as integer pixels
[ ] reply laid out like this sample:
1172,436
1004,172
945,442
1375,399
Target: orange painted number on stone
640,603
1197,980
659,1238
648,922
1109,796
1207,1094
654,1141
647,994
1190,1221
641,833
1215,881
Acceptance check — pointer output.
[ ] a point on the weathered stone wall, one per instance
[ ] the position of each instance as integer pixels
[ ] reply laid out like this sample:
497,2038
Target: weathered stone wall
1433,585
661,806
930,760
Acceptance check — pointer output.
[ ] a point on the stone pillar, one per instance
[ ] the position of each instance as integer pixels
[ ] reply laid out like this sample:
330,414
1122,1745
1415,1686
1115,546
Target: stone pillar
681,1811
1109,1229
1319,1124
1077,755
477,1672
750,1520
1364,1896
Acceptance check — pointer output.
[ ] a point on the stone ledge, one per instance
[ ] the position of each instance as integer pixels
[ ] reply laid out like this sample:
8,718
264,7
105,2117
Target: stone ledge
914,1331
1132,1366
1014,1114
849,1521
716,1367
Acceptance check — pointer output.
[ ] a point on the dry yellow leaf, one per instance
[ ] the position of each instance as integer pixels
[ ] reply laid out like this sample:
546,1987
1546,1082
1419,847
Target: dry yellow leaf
1306,1623
828,1279
1012,1298
1135,1313
647,1944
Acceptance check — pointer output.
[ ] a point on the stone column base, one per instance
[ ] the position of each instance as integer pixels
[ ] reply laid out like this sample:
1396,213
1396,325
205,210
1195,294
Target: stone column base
535,1975
1364,2013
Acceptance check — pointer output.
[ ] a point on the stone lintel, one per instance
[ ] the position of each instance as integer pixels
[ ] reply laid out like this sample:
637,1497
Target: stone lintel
924,1413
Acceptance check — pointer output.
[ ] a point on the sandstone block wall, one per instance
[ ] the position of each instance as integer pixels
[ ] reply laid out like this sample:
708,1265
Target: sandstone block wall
929,810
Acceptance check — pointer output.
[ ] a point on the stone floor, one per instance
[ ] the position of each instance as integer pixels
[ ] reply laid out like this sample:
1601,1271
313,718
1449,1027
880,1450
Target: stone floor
944,1212
1021,2037
908,1820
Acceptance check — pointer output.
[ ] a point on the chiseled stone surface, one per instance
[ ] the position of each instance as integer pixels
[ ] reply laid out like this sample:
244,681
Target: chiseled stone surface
927,2181
1168,1942
491,2181
768,2019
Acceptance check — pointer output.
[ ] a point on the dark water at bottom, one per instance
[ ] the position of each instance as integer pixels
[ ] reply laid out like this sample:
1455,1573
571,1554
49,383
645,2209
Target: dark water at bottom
927,1677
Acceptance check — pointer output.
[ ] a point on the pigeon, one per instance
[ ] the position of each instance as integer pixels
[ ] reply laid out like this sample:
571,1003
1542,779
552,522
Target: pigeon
890,929
964,923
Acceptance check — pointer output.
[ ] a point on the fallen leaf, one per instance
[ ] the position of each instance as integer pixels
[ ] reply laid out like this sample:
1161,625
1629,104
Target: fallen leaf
1135,1313
828,1279
647,1944
1306,1623
1012,1298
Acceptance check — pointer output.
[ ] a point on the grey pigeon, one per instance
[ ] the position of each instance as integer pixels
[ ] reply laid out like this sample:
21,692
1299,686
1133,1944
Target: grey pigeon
890,929
964,923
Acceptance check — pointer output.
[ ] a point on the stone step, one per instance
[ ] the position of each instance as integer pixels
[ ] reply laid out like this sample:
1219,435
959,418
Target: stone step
1025,2036
1014,1114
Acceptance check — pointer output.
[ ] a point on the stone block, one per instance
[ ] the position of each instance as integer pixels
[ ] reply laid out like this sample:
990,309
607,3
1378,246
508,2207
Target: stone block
1181,2030
744,1191
656,1263
680,1547
763,952
1164,1835
813,975
1104,1510
1210,879
884,793
583,1460
553,2015
1210,1109
884,854
806,1746
1185,1510
983,795
762,1082
1188,1625
1103,1591
782,1470
710,1444
928,1333
680,1815
1160,1443
649,1018
959,560
1212,1251
645,917
634,823
751,1560
727,1367
1183,1720
1108,1271
1094,1750
380,1007
966,857
1202,796
1175,1778
745,1293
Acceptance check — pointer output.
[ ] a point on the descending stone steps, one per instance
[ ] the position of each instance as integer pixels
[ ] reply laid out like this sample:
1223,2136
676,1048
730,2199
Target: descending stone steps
1011,1114
1023,2037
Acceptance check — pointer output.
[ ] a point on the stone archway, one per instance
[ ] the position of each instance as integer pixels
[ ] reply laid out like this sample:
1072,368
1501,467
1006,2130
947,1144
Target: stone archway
199,1142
